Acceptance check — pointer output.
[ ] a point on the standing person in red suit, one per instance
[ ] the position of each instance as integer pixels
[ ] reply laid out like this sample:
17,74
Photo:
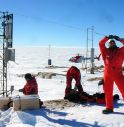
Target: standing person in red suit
113,58
73,73
31,86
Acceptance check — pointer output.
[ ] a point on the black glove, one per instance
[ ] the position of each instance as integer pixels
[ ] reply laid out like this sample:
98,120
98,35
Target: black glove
20,90
110,36
117,38
101,82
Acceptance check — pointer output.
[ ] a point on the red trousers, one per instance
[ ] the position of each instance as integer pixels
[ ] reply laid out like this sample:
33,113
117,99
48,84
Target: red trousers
111,76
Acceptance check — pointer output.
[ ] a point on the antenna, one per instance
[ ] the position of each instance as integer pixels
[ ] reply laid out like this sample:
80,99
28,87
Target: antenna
92,54
6,51
92,49
49,51
49,60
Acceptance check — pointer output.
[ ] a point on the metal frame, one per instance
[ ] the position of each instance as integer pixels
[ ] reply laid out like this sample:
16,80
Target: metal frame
3,52
90,30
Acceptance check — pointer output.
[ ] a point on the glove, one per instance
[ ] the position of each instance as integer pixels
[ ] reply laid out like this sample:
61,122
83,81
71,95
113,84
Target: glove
110,36
117,38
20,90
101,82
122,40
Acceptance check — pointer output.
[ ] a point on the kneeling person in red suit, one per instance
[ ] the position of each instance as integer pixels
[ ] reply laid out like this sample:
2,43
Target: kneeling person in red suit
73,73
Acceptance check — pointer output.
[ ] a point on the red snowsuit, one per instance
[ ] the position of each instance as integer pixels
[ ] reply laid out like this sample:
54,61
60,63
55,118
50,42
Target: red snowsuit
31,87
113,61
73,73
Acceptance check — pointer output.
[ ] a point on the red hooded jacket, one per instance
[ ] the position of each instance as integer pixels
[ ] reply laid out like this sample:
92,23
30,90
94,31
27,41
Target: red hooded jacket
31,87
112,60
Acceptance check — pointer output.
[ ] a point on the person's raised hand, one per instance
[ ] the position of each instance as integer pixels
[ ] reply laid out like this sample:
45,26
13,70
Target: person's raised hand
110,36
117,38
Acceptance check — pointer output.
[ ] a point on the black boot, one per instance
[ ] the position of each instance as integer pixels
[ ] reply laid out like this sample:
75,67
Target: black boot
107,111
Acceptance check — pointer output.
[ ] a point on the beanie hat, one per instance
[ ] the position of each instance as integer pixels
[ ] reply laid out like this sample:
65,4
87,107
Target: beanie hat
28,76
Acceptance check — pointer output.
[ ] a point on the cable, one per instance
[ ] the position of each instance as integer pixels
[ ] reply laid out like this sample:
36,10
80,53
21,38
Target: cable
49,21
99,34
57,23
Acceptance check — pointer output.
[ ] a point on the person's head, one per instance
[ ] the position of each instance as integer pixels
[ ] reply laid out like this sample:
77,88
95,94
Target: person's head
112,45
28,76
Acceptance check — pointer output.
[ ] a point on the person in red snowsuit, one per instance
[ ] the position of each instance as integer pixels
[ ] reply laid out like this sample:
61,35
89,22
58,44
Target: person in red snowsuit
113,58
73,73
31,86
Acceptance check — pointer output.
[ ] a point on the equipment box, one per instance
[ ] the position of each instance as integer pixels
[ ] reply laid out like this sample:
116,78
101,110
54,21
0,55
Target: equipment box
4,101
26,102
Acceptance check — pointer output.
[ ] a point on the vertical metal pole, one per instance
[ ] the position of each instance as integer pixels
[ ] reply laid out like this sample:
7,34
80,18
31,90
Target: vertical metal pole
6,56
87,50
49,60
5,49
3,53
92,59
49,51
92,35
3,68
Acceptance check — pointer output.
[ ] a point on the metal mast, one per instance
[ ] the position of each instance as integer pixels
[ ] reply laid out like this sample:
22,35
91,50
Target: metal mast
6,28
91,30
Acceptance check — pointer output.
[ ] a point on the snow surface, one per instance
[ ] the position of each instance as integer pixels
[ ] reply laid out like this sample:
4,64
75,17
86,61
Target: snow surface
34,60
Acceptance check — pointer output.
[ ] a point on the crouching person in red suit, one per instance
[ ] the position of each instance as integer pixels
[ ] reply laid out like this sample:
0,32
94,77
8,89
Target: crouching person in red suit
73,73
31,86
113,58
